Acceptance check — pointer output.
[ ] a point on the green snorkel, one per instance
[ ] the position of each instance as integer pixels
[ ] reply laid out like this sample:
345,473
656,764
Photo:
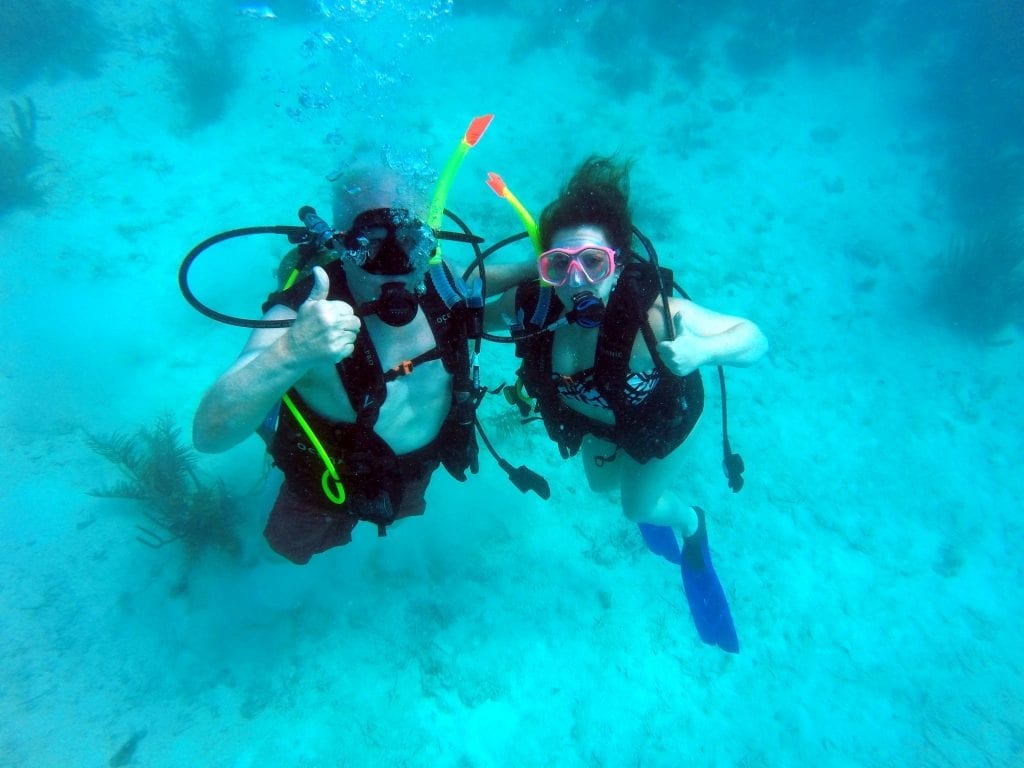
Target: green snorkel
476,129
500,188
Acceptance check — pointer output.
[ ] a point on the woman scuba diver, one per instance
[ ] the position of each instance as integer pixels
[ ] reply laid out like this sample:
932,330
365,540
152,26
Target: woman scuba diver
613,361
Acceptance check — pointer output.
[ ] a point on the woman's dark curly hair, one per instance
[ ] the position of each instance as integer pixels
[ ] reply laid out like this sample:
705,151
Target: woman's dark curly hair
598,195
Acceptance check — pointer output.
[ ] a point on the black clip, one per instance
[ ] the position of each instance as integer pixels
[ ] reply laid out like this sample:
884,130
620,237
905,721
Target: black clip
602,460
733,466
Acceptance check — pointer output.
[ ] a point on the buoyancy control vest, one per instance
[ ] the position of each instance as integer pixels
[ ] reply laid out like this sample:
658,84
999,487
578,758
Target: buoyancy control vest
366,464
650,429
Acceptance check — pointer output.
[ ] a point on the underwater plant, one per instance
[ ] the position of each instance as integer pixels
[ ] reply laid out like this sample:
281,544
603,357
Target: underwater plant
978,284
20,158
160,472
203,68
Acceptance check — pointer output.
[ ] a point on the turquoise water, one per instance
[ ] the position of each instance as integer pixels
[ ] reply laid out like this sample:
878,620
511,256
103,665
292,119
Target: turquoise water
847,175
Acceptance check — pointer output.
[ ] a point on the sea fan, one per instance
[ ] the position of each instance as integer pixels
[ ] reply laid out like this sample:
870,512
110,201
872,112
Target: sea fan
159,471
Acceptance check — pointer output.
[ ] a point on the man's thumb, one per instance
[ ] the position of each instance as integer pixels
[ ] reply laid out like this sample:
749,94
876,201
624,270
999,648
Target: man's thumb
321,285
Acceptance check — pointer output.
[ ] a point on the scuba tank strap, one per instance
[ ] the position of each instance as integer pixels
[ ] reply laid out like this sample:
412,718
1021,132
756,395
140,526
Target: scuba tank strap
628,305
450,306
533,346
664,278
448,322
732,463
464,298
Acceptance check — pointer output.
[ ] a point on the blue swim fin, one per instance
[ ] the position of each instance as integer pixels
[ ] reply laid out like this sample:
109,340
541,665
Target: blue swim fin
661,540
704,592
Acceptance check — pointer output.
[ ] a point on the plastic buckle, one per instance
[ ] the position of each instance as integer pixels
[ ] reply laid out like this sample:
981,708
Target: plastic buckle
404,368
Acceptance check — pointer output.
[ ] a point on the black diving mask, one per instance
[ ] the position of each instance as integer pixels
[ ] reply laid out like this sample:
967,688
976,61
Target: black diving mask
390,241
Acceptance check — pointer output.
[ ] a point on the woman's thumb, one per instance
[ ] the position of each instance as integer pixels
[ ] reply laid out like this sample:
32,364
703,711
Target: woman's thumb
680,326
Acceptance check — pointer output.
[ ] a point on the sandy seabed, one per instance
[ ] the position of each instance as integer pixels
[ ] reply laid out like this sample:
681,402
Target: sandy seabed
872,561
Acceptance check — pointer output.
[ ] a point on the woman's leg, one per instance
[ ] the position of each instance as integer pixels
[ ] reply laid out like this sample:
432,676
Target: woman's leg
647,498
602,476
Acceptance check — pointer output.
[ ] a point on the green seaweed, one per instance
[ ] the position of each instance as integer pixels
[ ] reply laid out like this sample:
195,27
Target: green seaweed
160,471
20,160
978,284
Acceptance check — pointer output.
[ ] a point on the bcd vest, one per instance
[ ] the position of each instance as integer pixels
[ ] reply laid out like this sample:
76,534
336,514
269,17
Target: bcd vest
651,429
366,464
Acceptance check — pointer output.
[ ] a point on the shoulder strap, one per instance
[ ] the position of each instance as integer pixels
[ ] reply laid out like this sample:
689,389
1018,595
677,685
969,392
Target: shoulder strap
535,310
545,310
291,297
634,293
360,373
533,346
537,306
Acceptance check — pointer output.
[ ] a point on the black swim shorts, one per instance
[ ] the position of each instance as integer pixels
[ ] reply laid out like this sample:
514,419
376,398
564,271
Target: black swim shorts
304,524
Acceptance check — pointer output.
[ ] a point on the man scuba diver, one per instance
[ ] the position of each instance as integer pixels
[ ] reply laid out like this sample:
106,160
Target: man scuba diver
373,371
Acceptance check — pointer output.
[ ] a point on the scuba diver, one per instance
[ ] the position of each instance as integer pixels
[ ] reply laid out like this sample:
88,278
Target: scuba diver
371,364
612,363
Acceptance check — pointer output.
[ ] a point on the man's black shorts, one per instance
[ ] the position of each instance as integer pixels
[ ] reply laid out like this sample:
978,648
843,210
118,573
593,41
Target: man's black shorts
300,526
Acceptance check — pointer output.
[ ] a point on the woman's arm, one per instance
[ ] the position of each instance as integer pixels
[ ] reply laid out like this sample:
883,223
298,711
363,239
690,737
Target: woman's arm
704,337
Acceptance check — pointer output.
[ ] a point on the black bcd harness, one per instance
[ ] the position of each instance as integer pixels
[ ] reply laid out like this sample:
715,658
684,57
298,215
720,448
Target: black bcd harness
366,463
566,426
652,429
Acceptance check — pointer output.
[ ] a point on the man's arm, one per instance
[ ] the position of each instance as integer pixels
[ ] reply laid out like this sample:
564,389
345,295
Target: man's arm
501,277
240,399
270,364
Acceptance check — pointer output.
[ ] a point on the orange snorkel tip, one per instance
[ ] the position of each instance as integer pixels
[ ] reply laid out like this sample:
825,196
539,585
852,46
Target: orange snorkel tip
496,183
476,129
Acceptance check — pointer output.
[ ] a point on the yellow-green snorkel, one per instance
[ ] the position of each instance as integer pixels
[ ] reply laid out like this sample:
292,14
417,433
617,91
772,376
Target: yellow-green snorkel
496,183
517,395
476,129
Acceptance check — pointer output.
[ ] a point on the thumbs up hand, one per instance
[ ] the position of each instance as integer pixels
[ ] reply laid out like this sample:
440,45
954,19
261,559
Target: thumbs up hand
324,330
686,352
